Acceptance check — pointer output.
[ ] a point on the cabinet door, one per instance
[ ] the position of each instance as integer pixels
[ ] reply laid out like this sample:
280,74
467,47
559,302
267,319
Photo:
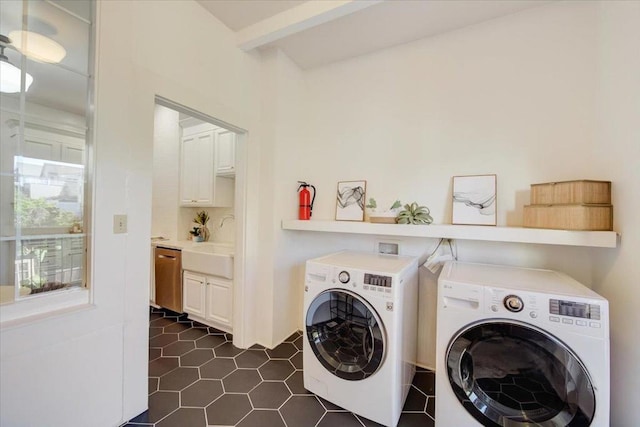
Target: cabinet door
72,154
196,170
219,301
205,168
193,294
39,148
226,153
189,171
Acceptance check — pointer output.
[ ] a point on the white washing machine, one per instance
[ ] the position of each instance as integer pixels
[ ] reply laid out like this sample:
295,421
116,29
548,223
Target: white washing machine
520,347
360,316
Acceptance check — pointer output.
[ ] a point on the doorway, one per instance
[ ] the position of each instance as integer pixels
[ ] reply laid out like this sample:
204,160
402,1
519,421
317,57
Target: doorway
199,201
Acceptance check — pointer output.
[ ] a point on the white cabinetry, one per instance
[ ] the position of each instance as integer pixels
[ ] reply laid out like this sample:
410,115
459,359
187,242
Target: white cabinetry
225,153
208,299
40,142
193,293
196,183
199,184
219,301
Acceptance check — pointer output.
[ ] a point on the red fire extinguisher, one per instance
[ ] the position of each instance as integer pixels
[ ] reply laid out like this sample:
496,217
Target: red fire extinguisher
306,202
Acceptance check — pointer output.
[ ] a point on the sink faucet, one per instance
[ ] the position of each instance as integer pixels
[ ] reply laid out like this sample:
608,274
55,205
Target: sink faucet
225,218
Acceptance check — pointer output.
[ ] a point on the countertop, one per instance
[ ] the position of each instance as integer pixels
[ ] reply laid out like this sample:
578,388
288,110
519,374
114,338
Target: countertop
186,244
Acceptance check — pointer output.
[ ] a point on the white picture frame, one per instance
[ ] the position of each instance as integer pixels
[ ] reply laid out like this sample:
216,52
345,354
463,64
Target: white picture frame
350,200
474,200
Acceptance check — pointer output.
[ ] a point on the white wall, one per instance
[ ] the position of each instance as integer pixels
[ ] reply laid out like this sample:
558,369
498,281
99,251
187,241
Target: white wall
548,94
483,99
616,153
166,173
283,118
96,360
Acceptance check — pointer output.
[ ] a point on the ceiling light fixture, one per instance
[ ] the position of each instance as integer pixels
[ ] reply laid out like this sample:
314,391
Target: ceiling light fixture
10,75
37,47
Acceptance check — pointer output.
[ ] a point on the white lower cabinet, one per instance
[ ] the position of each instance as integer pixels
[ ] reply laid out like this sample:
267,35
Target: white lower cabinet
208,299
193,293
219,301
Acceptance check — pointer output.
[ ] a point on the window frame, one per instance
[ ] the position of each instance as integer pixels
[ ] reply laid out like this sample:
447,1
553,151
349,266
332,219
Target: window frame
53,303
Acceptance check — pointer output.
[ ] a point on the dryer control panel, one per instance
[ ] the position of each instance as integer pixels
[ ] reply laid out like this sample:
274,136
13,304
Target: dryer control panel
581,315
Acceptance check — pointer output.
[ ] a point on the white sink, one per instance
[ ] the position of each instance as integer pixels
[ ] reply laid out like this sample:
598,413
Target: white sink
209,258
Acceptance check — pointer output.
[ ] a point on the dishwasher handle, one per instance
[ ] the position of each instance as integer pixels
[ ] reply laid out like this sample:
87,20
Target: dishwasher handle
167,257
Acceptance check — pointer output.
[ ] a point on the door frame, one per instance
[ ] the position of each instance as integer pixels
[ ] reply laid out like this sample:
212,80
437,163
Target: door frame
241,328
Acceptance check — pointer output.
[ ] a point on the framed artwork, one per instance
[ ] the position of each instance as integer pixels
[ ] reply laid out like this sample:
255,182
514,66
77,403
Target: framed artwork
350,200
474,200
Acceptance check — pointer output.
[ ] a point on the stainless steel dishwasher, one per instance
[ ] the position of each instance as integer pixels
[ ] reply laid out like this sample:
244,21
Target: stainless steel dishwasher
168,271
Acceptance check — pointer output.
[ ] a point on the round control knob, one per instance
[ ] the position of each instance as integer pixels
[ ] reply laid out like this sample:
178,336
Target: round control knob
344,277
533,314
494,308
513,303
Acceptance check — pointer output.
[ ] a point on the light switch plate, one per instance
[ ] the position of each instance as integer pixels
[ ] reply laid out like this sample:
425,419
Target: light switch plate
119,224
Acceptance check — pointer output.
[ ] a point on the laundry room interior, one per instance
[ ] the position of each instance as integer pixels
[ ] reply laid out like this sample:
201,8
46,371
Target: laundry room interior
348,136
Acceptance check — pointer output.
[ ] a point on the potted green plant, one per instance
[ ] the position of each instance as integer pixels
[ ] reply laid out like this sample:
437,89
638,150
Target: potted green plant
414,214
386,216
201,220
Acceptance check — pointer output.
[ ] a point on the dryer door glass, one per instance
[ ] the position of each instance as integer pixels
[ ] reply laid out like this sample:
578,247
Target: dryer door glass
512,374
345,334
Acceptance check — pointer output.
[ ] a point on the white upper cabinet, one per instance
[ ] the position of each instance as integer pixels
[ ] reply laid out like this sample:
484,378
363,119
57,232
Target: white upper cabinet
199,184
196,186
226,153
46,143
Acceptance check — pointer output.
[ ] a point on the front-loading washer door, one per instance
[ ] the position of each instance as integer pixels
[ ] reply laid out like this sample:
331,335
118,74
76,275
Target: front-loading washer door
508,373
345,334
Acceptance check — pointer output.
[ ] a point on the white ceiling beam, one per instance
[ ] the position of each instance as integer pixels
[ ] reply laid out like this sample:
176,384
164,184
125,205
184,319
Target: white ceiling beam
297,19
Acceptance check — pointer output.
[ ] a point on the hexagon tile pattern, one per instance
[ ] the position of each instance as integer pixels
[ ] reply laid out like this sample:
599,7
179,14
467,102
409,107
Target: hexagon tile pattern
197,378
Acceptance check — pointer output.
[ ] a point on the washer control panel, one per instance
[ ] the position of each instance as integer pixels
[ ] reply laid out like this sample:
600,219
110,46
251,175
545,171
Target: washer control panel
359,280
377,280
378,283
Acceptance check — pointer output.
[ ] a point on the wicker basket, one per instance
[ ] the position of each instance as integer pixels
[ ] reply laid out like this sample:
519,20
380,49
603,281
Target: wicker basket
569,217
568,192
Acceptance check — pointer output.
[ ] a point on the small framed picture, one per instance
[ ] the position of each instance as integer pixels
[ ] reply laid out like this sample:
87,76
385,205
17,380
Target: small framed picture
474,200
350,200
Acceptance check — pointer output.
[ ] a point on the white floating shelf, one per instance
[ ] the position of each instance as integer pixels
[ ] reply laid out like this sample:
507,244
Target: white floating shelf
598,239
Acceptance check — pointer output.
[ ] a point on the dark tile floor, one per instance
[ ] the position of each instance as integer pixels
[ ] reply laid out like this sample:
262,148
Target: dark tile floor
197,378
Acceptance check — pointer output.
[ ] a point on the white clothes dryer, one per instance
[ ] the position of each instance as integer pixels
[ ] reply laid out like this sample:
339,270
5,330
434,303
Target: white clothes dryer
520,347
360,317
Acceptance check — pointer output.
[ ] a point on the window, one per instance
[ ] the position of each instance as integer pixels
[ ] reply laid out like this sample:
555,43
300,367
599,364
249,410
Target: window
45,124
